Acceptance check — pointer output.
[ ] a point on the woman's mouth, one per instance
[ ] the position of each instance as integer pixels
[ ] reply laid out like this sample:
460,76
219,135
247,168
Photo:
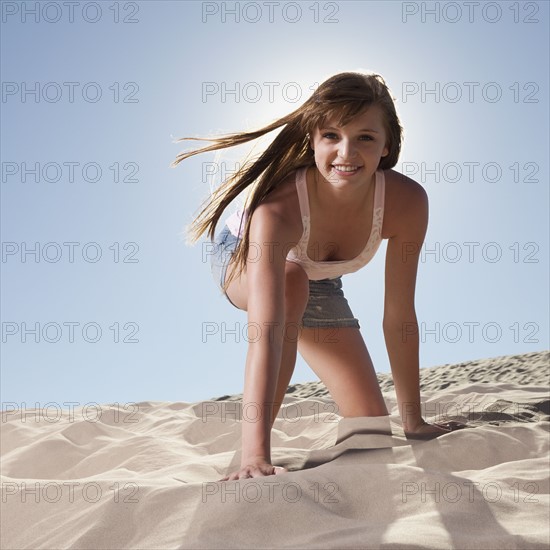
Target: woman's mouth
346,169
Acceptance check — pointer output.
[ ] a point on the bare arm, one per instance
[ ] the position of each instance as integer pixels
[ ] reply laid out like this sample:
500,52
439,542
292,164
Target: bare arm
400,323
269,234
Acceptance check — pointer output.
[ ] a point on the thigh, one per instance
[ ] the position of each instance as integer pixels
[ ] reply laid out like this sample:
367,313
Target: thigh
296,290
237,290
340,358
222,264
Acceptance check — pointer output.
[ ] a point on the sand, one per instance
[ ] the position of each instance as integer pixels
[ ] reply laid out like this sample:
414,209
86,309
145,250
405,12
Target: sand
144,475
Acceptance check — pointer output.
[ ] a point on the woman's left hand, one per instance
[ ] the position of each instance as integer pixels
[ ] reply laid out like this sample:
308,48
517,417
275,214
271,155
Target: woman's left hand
431,431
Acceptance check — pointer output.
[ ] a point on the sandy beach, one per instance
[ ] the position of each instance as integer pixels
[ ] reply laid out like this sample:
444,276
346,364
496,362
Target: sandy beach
143,475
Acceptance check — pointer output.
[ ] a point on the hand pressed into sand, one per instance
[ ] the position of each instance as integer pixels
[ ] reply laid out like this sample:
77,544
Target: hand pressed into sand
255,468
428,431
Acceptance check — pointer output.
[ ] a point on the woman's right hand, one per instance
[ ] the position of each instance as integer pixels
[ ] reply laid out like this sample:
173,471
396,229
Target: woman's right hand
255,469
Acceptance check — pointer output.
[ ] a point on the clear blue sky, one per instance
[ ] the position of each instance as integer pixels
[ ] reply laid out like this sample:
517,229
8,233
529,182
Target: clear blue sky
109,99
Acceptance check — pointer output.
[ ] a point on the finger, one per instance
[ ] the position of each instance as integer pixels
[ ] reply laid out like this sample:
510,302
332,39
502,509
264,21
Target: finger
457,425
280,470
451,426
443,427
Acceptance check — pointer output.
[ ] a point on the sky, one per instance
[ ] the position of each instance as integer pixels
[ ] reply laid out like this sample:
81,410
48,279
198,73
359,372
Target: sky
102,299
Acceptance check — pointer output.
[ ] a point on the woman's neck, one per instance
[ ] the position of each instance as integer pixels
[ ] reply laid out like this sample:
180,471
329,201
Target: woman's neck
348,199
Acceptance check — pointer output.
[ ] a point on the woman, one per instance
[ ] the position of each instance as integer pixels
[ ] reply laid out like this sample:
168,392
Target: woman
324,195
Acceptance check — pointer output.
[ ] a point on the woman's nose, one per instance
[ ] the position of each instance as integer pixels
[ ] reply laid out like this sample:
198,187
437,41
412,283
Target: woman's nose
346,151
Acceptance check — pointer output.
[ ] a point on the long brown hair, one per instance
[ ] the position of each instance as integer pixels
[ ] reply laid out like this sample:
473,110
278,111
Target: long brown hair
344,96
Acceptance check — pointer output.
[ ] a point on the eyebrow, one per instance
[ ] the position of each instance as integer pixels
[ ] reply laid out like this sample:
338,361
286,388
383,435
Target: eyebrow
362,130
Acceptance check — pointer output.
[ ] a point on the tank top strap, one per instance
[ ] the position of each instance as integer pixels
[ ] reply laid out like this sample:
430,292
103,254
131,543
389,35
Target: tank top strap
379,190
301,187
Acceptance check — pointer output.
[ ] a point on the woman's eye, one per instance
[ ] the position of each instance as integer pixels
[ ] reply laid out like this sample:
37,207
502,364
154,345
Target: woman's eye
331,135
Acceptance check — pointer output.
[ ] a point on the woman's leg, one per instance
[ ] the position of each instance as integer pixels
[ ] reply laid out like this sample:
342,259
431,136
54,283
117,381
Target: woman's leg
342,362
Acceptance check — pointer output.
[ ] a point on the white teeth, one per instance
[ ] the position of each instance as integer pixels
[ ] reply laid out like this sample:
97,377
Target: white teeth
346,168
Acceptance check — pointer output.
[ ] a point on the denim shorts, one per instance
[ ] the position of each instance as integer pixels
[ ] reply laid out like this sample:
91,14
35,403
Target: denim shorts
327,306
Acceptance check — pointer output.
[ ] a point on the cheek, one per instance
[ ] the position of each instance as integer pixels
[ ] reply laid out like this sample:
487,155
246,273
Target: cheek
323,148
374,149
323,156
322,159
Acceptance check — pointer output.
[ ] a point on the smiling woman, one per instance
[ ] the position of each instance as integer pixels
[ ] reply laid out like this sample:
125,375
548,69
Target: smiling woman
324,195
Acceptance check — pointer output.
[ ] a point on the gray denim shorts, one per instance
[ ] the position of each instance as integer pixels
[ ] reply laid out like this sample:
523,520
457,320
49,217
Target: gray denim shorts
327,306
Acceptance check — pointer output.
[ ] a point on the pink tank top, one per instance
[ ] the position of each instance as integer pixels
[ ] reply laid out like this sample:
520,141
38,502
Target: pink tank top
333,268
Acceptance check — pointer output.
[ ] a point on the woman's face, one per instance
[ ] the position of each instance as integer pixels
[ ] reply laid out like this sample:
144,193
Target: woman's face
350,153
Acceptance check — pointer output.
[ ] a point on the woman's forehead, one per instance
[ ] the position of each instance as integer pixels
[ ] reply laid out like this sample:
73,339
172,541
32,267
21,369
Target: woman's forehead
371,117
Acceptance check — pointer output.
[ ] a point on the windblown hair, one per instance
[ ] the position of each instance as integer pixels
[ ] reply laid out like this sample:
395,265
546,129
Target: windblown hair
342,96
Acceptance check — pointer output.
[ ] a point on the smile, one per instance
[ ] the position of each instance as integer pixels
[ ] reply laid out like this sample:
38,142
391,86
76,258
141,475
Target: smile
346,169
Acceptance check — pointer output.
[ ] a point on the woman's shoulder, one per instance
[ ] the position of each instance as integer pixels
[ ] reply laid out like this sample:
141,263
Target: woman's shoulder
282,205
401,185
405,201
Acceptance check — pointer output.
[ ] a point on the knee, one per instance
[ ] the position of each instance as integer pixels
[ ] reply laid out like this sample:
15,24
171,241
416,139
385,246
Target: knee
296,291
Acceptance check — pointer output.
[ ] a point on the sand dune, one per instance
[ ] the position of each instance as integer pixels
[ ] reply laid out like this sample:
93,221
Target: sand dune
144,476
526,369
